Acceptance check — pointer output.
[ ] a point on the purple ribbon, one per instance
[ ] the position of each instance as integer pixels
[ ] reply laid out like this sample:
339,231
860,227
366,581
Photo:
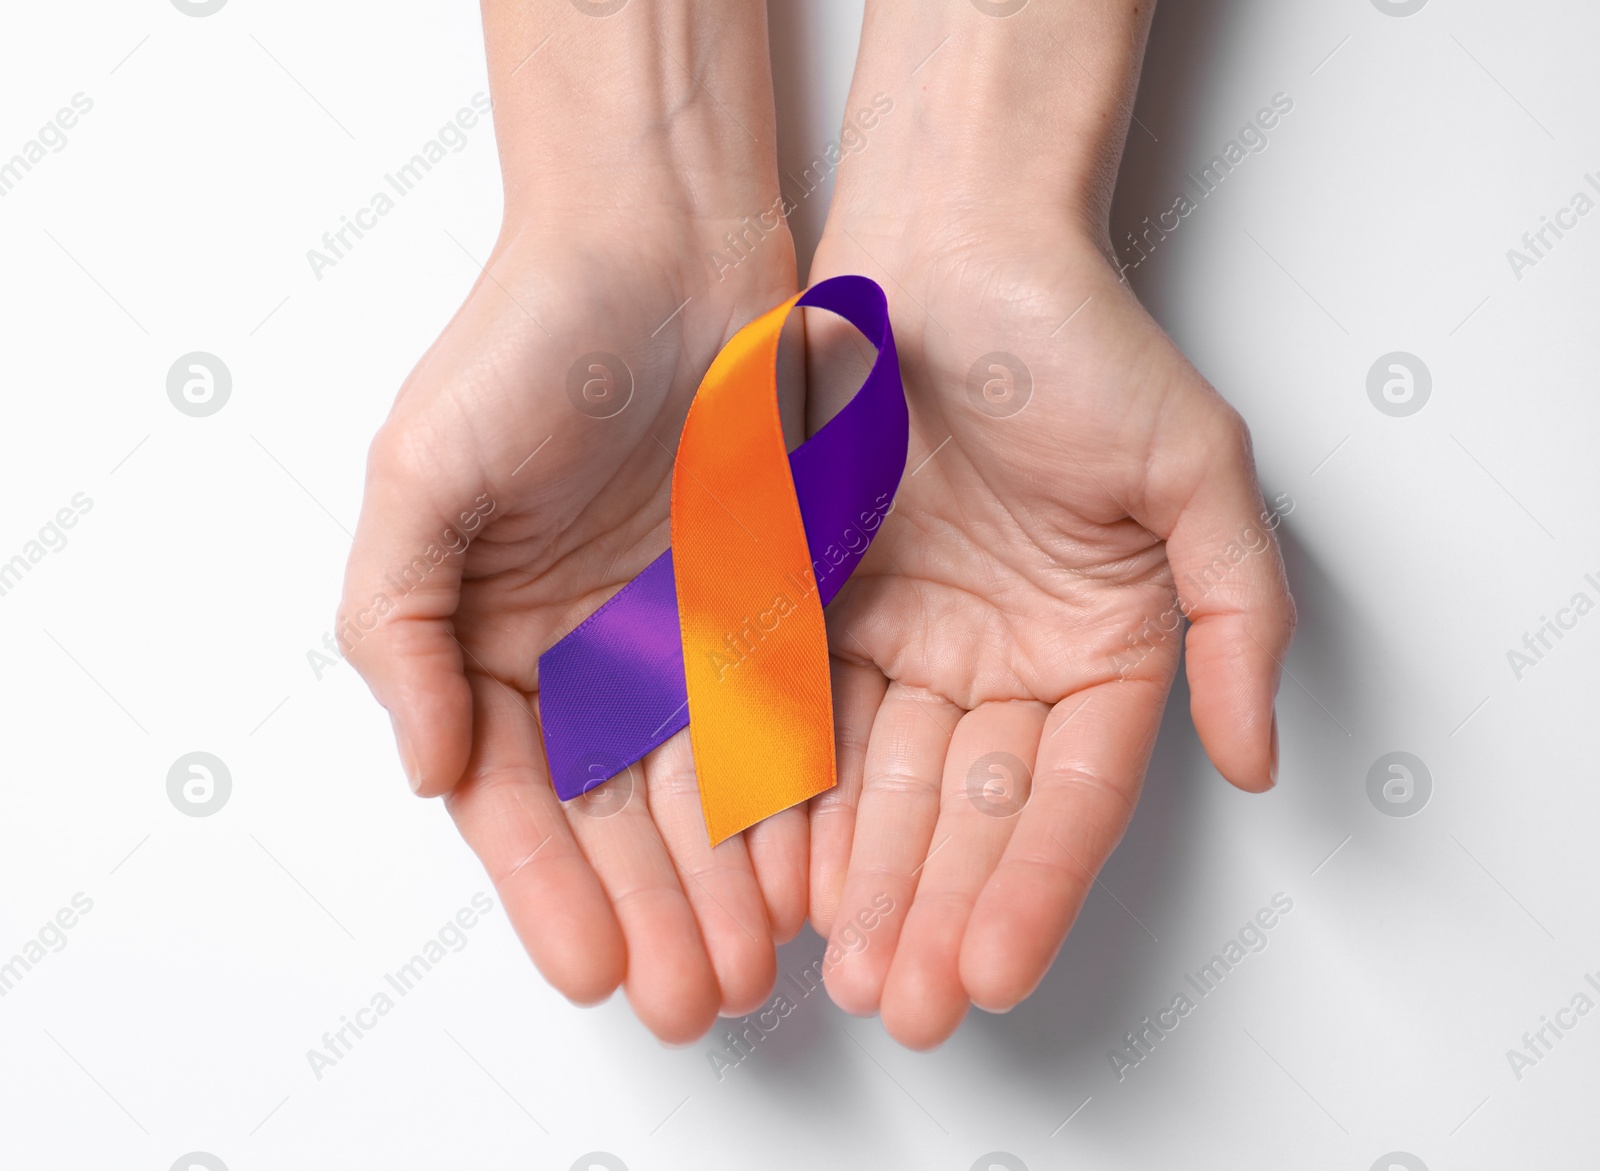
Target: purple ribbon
613,689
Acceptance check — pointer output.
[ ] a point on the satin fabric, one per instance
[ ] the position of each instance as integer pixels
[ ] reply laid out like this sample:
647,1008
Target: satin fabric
724,631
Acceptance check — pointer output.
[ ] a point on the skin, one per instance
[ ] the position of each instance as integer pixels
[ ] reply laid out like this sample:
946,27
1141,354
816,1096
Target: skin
996,608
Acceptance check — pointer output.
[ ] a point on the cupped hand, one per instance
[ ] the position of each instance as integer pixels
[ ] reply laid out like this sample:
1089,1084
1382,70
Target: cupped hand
1075,490
521,478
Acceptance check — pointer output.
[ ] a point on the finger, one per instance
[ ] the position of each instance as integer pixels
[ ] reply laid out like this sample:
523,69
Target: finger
987,777
894,822
1091,762
670,980
402,584
778,847
508,813
718,881
858,692
1231,585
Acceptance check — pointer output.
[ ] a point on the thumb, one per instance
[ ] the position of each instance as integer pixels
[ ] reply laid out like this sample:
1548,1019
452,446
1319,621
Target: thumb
1228,570
396,617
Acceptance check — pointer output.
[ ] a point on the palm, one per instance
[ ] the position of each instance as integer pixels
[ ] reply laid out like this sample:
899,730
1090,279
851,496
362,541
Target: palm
983,648
620,885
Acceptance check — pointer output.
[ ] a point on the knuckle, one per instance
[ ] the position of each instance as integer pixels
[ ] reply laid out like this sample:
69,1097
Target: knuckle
393,454
1291,617
674,783
1095,796
1232,434
900,783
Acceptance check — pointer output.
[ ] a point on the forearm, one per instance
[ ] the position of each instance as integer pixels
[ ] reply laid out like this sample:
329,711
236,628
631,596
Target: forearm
660,106
1008,116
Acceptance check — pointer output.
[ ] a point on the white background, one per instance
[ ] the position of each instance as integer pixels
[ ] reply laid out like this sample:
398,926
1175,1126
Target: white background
179,616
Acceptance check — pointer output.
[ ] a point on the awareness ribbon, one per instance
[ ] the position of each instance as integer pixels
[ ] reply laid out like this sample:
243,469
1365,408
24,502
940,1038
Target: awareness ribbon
724,631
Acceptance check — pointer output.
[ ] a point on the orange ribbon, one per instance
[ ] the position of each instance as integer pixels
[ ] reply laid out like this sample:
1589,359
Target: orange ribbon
755,648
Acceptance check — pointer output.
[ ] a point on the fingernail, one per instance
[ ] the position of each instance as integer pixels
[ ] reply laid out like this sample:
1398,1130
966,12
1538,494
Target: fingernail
408,760
1272,777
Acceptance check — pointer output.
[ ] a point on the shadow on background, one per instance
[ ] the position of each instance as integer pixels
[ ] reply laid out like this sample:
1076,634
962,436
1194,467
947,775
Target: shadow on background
1110,972
1100,984
1166,136
808,84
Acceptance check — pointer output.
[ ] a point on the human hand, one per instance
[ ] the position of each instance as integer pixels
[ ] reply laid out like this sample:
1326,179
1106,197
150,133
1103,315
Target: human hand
1003,654
539,498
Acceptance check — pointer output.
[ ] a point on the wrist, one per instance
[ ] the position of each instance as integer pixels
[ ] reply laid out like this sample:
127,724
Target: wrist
996,117
661,108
